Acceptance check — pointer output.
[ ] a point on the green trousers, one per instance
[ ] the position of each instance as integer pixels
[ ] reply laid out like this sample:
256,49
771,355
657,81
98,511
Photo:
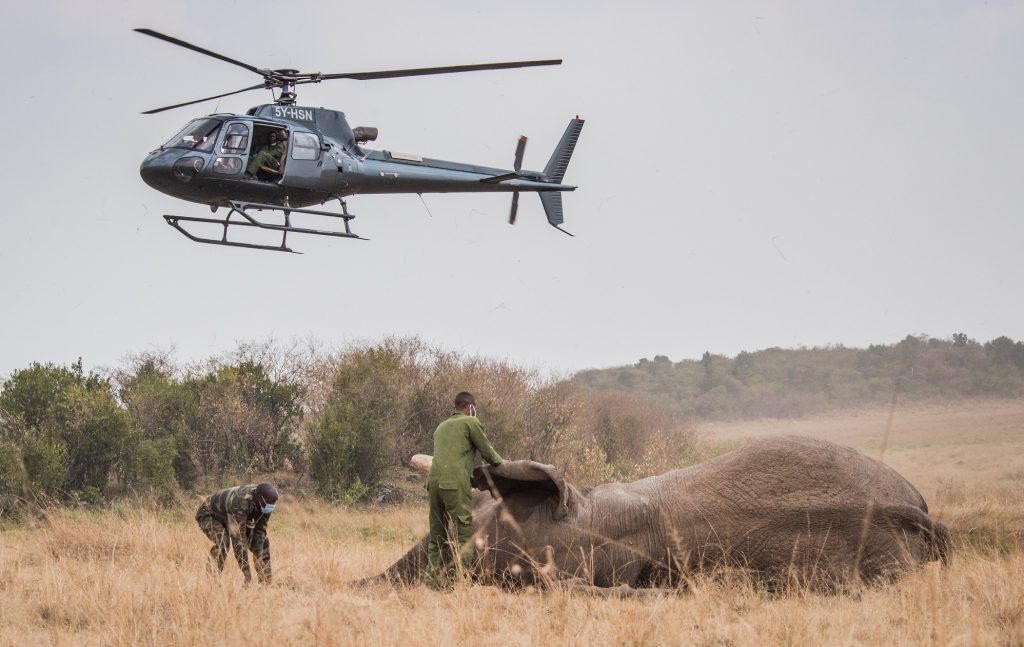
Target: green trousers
449,507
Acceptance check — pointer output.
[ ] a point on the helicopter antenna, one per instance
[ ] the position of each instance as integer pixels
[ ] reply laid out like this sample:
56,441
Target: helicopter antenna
425,205
285,80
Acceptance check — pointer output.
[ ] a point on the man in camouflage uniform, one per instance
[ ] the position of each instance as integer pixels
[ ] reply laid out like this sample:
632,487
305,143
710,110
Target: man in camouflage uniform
270,158
238,517
456,441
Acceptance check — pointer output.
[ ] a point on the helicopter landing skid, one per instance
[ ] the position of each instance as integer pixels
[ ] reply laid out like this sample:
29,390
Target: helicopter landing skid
247,220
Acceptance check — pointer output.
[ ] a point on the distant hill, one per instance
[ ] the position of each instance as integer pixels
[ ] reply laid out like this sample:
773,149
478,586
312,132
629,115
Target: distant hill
780,383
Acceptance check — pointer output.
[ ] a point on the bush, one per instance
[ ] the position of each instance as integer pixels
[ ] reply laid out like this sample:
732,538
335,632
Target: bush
13,480
638,437
351,443
71,431
221,419
386,400
96,433
30,393
44,461
161,407
356,493
340,449
151,468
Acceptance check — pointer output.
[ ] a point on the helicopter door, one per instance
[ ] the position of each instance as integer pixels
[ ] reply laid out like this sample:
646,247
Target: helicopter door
234,150
304,162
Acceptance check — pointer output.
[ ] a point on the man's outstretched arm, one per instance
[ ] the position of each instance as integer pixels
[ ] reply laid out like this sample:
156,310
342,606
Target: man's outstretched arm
479,438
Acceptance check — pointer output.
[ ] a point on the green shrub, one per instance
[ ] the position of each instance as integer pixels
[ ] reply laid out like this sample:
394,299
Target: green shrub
225,418
345,450
151,468
95,432
13,480
71,430
364,419
30,393
356,493
44,461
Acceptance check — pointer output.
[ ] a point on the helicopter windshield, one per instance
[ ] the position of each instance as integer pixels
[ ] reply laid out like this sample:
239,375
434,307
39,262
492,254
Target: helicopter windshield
199,134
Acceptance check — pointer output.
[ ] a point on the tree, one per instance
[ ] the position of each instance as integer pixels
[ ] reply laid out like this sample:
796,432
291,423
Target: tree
14,486
68,427
95,432
161,410
349,446
30,393
1004,350
743,367
227,418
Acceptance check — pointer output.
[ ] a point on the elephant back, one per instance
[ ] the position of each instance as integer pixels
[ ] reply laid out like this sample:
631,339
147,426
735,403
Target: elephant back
796,472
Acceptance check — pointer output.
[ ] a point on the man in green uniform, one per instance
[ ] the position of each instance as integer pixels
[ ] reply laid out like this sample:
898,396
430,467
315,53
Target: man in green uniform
270,158
456,441
238,517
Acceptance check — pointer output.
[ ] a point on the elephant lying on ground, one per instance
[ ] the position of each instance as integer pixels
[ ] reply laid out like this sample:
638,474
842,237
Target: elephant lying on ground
787,510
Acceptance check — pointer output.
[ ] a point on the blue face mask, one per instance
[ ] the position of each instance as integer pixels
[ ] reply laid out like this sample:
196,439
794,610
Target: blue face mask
267,508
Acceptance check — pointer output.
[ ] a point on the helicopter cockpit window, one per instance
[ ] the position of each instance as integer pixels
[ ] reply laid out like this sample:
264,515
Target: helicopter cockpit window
305,146
236,139
199,135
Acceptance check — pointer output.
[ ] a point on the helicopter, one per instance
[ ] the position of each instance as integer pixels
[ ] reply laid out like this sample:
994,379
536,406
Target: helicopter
283,158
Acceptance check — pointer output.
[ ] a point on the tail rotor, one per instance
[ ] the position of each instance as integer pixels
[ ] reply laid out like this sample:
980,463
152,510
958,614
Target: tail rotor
517,165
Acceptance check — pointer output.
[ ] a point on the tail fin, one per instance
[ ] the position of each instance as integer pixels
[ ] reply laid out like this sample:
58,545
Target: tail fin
555,170
552,201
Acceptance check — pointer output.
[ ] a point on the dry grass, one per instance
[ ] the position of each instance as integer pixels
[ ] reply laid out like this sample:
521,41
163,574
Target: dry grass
136,577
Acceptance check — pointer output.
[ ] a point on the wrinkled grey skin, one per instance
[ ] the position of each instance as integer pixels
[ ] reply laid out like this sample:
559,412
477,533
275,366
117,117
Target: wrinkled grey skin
786,510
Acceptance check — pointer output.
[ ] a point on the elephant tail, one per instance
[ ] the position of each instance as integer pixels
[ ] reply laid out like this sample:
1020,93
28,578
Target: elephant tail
940,540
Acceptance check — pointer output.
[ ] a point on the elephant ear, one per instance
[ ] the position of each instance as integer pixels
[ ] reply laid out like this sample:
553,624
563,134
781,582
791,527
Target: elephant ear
511,477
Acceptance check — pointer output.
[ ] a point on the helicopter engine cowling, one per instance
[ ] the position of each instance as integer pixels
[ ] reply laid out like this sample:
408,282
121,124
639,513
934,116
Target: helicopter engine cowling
364,134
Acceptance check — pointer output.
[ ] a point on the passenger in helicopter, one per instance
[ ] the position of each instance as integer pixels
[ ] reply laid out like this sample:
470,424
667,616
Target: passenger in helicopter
270,158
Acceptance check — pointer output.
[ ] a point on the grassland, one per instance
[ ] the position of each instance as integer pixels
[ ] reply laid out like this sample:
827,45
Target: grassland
135,576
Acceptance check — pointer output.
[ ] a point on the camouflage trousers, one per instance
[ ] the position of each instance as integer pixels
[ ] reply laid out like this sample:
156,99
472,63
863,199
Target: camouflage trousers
238,542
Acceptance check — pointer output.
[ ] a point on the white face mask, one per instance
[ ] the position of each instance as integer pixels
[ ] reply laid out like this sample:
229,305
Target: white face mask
472,410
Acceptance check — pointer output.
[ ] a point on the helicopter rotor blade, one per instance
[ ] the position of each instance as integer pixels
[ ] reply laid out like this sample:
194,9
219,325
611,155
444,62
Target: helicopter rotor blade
520,149
423,71
515,208
195,48
287,79
218,96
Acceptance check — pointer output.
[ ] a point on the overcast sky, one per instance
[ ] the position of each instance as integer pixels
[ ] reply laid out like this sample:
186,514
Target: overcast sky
750,175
